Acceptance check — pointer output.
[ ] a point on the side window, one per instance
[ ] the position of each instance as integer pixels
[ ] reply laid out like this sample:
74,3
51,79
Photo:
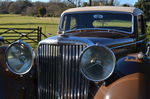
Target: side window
73,23
69,23
64,23
141,25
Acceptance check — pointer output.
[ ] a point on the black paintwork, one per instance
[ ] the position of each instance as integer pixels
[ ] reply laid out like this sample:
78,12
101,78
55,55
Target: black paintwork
131,64
120,46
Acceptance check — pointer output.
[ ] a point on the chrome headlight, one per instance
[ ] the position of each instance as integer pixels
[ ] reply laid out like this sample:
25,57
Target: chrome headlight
97,63
19,57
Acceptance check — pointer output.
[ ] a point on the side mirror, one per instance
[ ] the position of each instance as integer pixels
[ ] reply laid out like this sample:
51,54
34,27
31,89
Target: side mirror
148,49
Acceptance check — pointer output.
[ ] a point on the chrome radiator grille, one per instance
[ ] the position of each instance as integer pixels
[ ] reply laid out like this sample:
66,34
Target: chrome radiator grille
59,76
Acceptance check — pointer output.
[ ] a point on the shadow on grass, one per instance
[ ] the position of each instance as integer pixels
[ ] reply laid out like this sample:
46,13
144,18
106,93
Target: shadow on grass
4,16
28,24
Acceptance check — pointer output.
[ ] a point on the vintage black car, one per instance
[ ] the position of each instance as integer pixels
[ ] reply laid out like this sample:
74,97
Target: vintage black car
95,56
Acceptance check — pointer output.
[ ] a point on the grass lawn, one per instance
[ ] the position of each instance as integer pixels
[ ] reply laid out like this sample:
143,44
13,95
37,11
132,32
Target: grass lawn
49,25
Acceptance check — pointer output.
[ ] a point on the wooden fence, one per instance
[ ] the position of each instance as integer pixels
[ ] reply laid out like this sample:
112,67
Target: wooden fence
29,35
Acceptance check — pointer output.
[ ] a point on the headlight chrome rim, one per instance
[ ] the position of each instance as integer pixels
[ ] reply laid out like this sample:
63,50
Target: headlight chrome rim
114,62
30,51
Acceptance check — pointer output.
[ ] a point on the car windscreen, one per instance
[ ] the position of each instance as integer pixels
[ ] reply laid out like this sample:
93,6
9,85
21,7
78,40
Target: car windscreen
97,20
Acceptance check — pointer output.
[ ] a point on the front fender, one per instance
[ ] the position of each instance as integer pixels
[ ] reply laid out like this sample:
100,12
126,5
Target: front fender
13,86
132,80
132,86
132,64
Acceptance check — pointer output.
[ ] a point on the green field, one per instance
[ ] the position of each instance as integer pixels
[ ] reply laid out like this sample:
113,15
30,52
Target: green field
48,24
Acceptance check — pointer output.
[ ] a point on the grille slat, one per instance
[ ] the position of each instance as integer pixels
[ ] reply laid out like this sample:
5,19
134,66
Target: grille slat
59,75
73,73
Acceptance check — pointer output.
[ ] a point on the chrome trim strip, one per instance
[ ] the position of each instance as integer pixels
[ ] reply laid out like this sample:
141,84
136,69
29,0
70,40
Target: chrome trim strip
127,44
100,30
66,40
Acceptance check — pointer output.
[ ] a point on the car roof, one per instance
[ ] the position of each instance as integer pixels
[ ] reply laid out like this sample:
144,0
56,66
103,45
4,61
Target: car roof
133,10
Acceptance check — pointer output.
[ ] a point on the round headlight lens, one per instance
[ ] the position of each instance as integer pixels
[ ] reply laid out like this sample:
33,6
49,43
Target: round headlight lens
19,56
97,63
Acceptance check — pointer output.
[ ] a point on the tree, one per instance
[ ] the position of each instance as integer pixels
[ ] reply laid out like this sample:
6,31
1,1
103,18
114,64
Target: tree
14,9
111,2
145,6
31,11
25,7
85,4
55,9
103,2
42,11
75,3
19,6
126,5
4,6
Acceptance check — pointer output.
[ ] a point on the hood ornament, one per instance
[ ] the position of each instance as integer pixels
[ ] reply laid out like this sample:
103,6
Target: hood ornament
63,34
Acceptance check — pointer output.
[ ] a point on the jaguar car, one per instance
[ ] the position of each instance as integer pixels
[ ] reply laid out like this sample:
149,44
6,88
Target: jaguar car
100,52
